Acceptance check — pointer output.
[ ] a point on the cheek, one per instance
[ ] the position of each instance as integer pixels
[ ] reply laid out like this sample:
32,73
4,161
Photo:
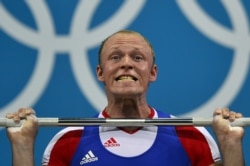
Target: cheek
108,73
110,67
145,71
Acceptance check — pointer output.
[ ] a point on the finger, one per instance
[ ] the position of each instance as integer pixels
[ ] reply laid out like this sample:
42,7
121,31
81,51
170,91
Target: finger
225,113
23,112
29,111
9,115
232,115
16,117
20,114
238,115
217,111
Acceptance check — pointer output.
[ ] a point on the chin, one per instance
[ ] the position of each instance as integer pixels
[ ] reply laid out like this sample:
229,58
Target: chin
128,93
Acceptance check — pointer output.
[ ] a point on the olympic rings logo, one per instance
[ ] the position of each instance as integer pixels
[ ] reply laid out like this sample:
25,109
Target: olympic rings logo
238,39
48,44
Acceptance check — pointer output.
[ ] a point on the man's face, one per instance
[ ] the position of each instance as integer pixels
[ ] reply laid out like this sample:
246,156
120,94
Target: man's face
126,65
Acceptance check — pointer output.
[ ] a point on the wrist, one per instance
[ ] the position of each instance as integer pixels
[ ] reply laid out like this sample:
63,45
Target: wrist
230,144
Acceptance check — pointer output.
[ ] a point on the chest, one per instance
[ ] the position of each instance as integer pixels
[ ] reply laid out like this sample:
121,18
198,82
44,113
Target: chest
148,146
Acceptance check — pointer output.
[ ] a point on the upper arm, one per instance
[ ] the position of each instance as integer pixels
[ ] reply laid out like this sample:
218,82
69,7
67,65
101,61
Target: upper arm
61,148
199,145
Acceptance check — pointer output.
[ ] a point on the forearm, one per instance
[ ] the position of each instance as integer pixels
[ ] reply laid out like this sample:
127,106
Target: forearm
229,137
232,154
22,138
22,156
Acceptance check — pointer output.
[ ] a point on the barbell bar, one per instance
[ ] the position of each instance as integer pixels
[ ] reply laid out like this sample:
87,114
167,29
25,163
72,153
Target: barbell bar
119,122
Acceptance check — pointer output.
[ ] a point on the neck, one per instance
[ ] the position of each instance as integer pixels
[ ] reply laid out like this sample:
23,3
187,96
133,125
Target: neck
128,108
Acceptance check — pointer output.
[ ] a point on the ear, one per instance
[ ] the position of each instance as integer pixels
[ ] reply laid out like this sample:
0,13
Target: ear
153,73
99,73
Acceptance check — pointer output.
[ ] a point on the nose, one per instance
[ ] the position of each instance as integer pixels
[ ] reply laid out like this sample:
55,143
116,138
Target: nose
127,62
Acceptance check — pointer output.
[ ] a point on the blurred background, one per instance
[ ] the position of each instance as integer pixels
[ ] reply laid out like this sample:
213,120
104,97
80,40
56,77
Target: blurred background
48,56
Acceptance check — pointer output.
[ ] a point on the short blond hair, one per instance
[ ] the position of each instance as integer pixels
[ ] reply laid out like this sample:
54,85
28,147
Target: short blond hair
125,32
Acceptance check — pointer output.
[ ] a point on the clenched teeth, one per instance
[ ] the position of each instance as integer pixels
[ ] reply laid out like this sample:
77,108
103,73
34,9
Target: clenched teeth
125,78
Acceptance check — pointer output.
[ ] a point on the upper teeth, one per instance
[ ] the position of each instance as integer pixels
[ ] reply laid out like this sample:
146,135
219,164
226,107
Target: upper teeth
125,78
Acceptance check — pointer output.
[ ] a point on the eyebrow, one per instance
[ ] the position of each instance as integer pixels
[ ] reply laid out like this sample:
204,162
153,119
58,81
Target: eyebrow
116,49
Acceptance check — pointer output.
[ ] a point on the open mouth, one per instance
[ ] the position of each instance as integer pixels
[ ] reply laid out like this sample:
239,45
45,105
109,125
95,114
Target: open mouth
125,78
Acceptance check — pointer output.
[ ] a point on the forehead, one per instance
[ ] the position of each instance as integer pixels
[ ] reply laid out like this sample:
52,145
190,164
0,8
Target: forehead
126,40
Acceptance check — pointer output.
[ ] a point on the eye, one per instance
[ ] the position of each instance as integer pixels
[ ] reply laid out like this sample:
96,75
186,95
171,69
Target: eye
115,57
138,58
